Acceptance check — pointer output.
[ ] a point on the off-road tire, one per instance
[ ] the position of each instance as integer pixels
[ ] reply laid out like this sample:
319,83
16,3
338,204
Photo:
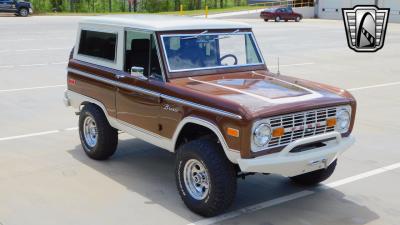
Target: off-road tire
107,136
278,19
315,177
221,173
24,12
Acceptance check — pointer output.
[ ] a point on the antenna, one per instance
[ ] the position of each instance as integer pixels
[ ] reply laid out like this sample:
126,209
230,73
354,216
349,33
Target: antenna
279,72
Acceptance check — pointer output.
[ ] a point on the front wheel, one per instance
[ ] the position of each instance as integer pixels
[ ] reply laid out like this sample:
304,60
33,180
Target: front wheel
205,178
23,12
315,177
266,20
277,19
99,140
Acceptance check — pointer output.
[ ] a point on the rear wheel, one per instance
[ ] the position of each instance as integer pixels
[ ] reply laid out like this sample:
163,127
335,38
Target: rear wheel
277,19
298,19
99,140
266,20
23,12
205,178
315,177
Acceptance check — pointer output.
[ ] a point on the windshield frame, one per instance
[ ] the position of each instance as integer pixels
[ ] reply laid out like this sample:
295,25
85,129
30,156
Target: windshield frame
196,33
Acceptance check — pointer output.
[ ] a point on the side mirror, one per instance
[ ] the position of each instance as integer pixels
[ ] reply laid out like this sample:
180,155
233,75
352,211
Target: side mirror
138,72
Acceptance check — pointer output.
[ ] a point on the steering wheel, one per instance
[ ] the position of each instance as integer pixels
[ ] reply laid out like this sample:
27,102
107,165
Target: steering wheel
227,56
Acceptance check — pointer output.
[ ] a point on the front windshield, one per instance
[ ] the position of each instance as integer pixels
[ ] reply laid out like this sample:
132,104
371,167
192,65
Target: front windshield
210,50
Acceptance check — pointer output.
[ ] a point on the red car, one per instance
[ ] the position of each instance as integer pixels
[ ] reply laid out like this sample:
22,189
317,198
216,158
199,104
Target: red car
279,14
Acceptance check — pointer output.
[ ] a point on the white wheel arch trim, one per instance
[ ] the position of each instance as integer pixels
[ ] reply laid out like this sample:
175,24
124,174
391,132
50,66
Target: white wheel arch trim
76,100
231,154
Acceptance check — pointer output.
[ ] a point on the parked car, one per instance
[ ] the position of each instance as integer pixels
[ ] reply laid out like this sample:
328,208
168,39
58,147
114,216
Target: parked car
200,88
19,7
279,14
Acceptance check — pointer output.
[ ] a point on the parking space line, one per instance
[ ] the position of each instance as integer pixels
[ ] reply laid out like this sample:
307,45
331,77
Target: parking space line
374,86
29,135
37,134
33,50
35,39
31,88
40,49
360,176
63,85
297,195
32,65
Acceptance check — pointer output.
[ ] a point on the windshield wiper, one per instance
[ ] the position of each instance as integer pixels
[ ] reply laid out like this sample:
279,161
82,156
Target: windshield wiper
227,35
195,36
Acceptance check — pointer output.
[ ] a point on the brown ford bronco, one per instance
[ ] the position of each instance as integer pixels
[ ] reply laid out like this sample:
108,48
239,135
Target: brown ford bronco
200,88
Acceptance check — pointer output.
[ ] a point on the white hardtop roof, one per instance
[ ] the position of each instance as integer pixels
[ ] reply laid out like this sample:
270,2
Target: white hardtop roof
163,22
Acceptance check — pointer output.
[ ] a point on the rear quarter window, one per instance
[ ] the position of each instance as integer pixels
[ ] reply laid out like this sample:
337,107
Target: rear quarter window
98,44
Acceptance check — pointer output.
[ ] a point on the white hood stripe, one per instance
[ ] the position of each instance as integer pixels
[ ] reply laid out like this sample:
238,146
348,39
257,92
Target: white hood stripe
313,94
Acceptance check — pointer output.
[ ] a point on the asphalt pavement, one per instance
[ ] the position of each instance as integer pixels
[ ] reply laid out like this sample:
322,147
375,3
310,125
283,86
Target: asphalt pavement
46,179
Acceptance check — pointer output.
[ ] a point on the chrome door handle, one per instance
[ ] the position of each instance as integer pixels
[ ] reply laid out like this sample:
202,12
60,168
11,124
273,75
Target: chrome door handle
119,76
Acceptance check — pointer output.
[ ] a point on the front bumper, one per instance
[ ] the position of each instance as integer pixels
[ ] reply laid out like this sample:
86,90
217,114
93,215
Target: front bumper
291,164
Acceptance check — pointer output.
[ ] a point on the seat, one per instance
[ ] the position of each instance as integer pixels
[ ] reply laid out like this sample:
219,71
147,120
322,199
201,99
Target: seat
138,55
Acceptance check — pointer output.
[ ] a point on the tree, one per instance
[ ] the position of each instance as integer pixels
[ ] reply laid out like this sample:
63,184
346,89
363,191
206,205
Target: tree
177,5
198,5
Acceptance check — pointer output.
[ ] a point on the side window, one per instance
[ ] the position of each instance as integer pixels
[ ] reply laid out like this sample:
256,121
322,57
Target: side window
141,51
98,44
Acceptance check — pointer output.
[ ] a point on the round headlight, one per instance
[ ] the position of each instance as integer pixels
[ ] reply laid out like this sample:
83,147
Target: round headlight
262,134
343,120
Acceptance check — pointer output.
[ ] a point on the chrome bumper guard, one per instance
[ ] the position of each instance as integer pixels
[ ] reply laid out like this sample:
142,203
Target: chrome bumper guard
66,99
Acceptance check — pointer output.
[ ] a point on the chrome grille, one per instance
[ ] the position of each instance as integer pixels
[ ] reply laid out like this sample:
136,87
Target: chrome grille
301,124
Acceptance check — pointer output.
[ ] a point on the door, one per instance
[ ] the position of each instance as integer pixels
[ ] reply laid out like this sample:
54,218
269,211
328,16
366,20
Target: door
289,14
5,5
279,12
138,102
286,14
10,6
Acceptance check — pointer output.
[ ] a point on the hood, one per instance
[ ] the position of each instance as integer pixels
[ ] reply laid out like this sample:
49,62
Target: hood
260,92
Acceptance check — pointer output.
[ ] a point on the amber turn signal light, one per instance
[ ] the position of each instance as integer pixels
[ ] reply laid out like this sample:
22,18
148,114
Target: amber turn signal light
232,132
331,122
278,132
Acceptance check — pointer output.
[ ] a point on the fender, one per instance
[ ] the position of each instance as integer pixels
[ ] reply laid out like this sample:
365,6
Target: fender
232,155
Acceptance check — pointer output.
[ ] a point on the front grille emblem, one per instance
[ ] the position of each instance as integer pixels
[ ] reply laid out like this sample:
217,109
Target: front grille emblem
365,27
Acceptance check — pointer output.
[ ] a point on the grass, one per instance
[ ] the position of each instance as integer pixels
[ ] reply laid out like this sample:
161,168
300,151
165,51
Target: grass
187,13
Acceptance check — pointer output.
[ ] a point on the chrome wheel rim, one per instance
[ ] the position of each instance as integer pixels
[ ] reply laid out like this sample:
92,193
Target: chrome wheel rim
196,179
24,12
90,131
